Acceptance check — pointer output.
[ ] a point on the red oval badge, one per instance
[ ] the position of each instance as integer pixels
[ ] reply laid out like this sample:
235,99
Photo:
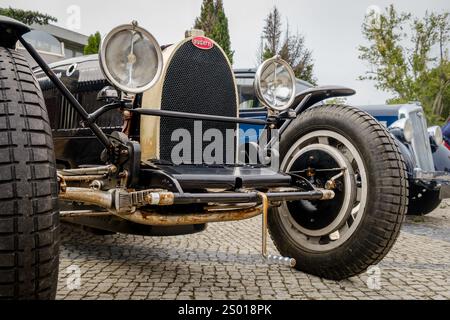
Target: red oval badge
203,43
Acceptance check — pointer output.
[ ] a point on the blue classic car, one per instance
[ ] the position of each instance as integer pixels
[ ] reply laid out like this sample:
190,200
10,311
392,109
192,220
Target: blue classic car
446,132
427,159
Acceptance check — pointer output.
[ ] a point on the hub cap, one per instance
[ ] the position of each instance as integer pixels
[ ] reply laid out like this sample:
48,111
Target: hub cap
320,157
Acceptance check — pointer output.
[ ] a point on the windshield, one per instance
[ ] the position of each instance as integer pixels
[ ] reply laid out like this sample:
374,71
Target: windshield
247,96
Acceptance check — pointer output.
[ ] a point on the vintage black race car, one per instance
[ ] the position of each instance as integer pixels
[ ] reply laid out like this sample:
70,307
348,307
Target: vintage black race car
427,158
149,146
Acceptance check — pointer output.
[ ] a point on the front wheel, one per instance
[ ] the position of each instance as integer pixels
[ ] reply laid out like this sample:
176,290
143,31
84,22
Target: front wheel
347,150
29,215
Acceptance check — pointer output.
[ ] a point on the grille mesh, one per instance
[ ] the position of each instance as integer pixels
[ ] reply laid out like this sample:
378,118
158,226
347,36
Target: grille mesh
197,81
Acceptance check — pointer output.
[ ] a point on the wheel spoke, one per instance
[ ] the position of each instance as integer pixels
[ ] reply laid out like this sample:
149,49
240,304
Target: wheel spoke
358,194
350,158
335,235
355,211
314,240
344,228
324,140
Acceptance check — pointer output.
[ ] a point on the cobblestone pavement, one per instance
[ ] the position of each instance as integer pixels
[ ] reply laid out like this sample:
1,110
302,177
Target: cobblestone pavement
224,263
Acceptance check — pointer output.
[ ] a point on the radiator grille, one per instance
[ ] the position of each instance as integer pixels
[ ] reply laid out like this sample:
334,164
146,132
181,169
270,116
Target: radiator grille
68,117
421,140
197,81
84,84
64,117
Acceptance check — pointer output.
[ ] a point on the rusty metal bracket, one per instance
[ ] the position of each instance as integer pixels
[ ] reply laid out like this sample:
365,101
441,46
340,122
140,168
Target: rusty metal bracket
154,218
88,196
83,214
62,183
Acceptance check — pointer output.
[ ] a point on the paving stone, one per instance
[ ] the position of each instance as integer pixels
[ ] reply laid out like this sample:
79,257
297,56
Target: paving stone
224,263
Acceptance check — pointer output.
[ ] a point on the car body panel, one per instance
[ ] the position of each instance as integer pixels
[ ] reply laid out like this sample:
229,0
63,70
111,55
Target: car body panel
10,29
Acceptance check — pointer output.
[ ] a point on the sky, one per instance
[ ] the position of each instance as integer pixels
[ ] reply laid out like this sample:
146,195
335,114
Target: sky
332,29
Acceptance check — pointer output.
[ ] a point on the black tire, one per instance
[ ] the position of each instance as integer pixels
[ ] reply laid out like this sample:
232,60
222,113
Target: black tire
422,203
29,215
387,198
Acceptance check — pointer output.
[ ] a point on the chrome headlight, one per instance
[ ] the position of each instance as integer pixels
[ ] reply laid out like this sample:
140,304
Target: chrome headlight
436,134
131,58
275,84
405,125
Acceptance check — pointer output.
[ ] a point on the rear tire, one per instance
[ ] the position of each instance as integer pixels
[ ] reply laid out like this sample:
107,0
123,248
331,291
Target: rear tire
363,237
29,216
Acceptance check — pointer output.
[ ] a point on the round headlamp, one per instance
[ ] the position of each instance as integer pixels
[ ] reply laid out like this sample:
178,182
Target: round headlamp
436,135
406,127
275,84
131,58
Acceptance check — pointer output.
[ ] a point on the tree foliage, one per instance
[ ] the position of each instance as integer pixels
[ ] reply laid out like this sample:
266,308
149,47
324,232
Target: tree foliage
27,16
272,32
336,101
93,45
214,22
408,57
289,46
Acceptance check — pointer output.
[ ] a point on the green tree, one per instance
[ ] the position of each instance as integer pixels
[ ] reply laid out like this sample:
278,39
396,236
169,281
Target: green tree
93,44
436,93
272,35
338,100
27,16
291,47
214,22
408,57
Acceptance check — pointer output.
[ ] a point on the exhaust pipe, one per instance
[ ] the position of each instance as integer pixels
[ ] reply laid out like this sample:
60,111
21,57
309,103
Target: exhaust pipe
117,200
89,196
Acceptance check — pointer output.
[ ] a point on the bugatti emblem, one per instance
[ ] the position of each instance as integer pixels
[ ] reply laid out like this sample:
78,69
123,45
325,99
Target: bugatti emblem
203,43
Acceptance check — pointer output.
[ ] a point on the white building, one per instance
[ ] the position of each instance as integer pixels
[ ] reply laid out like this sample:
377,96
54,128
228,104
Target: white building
54,43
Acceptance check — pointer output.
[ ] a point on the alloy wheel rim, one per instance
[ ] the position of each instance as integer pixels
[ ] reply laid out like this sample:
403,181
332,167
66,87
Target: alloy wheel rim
326,242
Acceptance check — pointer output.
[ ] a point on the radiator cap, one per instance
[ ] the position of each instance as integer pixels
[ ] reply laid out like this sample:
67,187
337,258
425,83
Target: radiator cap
194,33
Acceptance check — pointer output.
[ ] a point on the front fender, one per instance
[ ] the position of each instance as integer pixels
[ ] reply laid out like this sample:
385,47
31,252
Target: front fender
441,158
319,94
10,31
407,156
